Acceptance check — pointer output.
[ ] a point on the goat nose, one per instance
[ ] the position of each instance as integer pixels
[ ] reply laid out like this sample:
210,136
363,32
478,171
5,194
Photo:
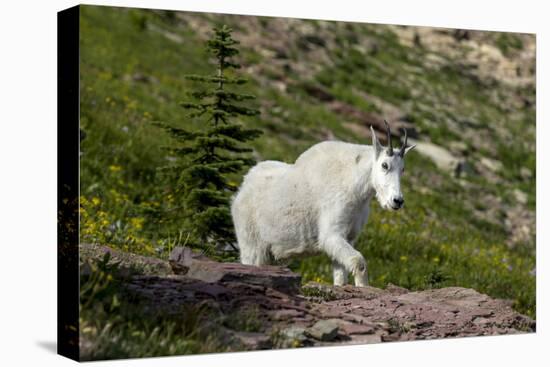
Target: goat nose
399,201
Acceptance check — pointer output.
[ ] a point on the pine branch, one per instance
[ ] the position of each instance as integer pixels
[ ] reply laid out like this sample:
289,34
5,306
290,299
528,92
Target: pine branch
236,132
202,176
240,110
176,132
233,166
221,142
216,79
222,95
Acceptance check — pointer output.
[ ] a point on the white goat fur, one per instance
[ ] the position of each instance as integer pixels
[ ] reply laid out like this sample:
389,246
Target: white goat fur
318,204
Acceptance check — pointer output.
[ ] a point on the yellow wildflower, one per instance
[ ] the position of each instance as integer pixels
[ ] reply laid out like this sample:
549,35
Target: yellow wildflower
137,223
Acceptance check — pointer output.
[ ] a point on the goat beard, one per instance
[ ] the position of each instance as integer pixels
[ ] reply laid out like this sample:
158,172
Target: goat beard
383,203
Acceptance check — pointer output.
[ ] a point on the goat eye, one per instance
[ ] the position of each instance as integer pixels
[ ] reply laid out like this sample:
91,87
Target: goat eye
384,165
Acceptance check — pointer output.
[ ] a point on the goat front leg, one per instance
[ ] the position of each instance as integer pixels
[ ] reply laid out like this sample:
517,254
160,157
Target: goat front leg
340,274
343,253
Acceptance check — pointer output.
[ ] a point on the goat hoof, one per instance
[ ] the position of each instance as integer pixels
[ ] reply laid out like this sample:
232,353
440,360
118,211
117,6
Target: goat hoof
361,281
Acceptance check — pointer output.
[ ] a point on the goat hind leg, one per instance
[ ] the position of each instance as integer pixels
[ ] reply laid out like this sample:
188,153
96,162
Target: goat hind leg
253,256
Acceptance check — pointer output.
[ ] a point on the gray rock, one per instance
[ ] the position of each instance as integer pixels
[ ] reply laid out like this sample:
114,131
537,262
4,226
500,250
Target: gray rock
324,330
491,164
365,339
440,156
253,341
294,335
520,223
180,260
520,196
458,147
525,173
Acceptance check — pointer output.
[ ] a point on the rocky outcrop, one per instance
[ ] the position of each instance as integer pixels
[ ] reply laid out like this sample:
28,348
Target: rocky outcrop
287,315
186,262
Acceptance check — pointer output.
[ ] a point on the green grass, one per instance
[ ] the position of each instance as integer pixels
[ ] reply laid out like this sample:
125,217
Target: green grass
132,74
114,324
508,42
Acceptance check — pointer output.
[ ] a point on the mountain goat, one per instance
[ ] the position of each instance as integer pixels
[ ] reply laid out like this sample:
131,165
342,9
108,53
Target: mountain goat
318,204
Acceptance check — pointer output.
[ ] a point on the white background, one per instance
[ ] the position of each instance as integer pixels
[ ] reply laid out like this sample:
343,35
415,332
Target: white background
28,181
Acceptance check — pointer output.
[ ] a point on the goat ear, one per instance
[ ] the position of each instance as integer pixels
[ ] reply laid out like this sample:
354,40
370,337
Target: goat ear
375,144
407,149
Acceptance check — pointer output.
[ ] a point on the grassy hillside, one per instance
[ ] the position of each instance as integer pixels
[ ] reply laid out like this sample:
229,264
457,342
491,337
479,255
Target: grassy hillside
315,81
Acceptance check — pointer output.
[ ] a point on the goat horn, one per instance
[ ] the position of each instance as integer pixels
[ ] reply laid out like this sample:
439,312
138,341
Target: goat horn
404,146
390,148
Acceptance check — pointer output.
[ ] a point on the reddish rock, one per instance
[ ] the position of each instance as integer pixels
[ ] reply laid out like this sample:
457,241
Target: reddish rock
285,314
184,261
327,315
351,328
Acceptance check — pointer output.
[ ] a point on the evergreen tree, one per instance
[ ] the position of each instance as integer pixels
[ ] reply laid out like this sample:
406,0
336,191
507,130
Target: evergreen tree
205,159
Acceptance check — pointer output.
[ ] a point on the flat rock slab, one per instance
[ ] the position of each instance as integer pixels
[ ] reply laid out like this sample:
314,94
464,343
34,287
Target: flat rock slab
184,261
430,314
